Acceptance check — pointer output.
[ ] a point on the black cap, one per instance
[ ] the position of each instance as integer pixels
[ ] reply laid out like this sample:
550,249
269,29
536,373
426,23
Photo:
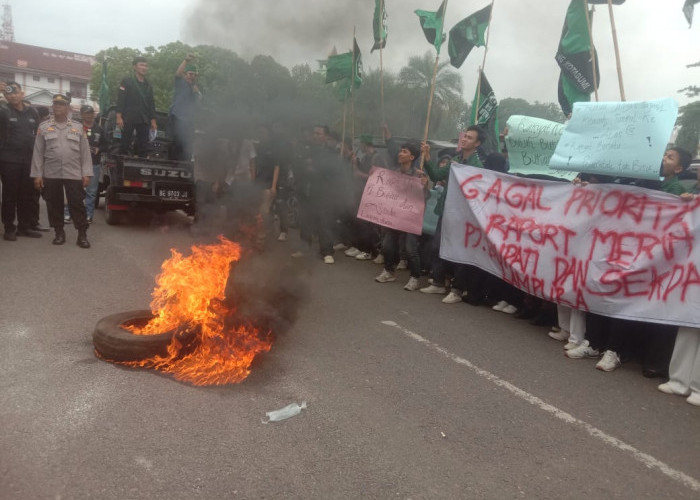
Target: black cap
86,108
60,99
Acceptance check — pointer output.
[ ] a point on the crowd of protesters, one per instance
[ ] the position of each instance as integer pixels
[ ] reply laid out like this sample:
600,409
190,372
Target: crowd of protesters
316,177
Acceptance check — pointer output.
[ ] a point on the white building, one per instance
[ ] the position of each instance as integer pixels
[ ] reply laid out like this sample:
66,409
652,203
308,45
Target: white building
43,72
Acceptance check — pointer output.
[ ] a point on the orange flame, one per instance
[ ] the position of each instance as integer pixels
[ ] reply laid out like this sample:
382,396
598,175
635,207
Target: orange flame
190,297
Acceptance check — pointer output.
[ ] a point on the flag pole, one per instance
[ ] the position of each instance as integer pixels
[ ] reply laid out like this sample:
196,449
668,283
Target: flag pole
345,110
352,90
481,68
432,91
590,41
381,64
617,51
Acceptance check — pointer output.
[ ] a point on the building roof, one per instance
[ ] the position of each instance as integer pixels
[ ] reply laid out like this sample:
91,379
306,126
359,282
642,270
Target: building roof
59,62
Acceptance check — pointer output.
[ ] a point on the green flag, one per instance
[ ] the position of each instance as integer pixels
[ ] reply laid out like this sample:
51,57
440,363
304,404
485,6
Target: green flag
356,64
574,59
104,91
432,22
486,114
467,34
339,67
379,25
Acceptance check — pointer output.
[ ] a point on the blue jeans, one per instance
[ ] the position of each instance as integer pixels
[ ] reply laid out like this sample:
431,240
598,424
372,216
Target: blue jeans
391,250
91,191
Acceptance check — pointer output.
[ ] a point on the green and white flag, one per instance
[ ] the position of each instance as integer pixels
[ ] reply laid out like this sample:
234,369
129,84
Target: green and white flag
379,25
467,34
104,91
485,113
339,67
574,59
432,24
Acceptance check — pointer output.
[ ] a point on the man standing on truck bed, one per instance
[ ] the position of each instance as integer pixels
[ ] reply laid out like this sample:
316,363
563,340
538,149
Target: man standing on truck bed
62,161
183,108
136,109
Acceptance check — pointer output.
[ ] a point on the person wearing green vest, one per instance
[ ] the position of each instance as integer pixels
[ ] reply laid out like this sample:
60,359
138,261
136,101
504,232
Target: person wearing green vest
469,141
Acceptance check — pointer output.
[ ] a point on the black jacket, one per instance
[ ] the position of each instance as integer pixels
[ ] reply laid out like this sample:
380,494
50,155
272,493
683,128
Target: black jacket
17,132
135,100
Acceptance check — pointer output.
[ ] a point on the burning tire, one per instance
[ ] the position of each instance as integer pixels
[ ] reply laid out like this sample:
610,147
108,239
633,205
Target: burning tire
114,343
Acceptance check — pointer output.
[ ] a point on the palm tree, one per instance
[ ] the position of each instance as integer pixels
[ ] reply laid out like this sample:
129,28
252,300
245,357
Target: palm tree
447,98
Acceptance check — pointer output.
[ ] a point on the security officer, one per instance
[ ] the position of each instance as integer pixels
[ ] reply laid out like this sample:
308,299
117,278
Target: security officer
62,161
18,124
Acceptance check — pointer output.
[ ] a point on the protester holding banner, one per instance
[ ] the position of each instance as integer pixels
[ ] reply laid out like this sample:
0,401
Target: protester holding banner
390,243
470,140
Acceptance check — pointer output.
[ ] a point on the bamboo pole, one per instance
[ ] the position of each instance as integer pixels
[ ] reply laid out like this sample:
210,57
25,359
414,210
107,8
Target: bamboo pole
430,96
345,110
481,68
617,51
352,90
381,64
590,41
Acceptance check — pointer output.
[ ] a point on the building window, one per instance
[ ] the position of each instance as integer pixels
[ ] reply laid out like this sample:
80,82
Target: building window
78,89
36,78
51,80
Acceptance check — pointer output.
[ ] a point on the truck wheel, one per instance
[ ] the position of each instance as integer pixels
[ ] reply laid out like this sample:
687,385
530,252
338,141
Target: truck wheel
114,343
112,217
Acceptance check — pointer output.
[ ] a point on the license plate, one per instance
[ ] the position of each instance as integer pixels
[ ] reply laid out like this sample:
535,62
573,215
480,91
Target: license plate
173,194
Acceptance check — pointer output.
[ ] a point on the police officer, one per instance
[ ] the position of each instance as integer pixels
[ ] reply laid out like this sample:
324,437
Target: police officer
62,161
18,124
136,109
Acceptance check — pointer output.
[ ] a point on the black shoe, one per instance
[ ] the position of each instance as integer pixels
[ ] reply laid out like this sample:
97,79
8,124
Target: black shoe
60,238
40,228
654,373
10,236
82,241
29,233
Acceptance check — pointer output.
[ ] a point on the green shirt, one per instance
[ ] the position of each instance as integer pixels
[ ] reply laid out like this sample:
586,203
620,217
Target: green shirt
672,186
437,174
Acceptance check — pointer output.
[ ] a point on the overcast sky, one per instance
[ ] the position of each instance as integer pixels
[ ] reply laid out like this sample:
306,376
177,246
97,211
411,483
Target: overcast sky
655,42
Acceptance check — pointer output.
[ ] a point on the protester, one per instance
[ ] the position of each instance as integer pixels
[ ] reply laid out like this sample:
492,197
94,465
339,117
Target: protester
266,177
136,109
98,143
184,107
18,126
62,162
390,244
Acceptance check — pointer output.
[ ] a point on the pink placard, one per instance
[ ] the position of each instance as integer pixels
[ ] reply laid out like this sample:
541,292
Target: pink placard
394,200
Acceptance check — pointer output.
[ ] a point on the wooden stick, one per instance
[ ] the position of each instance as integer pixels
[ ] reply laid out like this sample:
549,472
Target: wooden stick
381,65
352,91
345,109
617,51
432,91
590,41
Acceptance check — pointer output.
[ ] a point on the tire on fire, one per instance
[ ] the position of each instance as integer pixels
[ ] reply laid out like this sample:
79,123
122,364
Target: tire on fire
115,343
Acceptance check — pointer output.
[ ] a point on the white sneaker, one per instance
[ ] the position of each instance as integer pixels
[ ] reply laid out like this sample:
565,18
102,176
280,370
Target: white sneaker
351,252
339,246
671,388
499,307
609,362
328,259
363,256
560,335
510,309
451,298
402,265
434,289
379,259
694,399
412,284
570,345
298,254
282,237
584,350
385,277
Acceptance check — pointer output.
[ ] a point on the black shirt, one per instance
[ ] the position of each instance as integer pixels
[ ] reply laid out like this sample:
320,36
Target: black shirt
96,138
135,100
17,132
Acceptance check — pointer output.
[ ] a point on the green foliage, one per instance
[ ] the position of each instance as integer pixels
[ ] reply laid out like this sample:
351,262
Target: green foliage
689,122
513,106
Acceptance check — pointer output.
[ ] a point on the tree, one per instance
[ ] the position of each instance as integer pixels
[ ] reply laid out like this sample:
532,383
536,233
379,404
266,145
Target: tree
689,122
514,106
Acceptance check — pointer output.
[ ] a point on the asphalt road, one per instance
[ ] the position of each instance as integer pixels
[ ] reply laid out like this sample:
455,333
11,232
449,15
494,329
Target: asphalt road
407,397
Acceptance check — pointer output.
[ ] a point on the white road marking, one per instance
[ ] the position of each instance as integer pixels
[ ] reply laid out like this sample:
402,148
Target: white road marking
642,457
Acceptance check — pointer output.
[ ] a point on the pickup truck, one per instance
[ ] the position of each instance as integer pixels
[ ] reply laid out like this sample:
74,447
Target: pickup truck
155,182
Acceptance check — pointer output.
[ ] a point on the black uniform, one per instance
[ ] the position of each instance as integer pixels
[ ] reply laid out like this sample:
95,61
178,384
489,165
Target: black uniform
17,132
136,104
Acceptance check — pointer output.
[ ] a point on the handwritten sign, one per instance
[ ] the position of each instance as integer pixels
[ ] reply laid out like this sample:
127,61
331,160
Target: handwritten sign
626,139
394,200
531,143
614,250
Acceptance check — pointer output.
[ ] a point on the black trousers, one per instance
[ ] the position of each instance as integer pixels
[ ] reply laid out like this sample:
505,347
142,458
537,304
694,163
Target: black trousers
18,195
140,143
75,194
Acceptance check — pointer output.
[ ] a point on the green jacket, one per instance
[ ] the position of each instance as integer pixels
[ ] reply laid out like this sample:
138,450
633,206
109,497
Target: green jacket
437,174
672,186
